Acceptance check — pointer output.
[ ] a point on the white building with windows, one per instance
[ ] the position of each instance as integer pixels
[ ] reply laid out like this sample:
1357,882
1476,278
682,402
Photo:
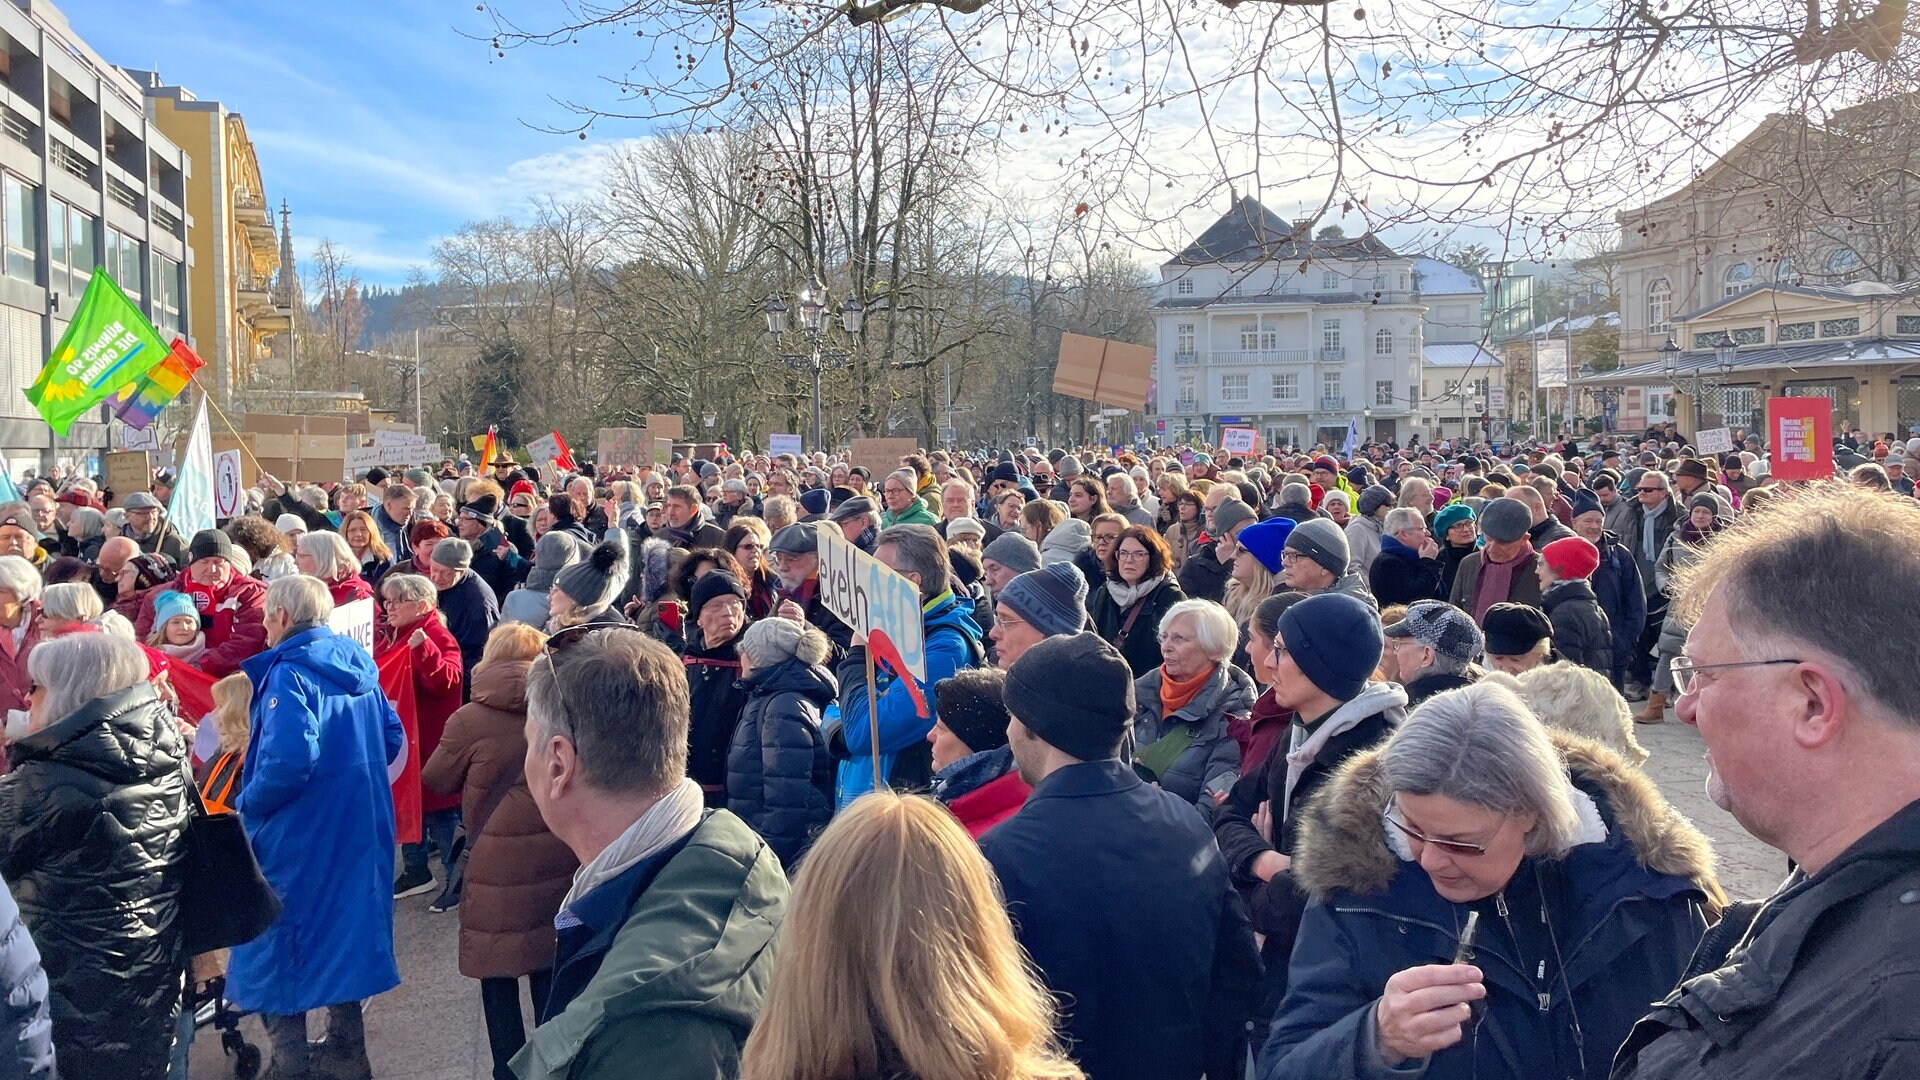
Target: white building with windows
1258,326
1457,370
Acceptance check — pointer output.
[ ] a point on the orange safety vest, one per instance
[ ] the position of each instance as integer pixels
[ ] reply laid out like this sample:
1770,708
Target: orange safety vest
222,785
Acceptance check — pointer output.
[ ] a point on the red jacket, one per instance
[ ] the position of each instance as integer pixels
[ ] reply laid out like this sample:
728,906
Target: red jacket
237,628
350,588
991,803
437,677
14,682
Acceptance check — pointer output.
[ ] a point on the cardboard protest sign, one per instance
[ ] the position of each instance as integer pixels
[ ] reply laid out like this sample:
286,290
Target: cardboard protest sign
1716,440
1800,431
128,471
881,456
662,452
1099,370
1237,440
866,595
667,425
629,447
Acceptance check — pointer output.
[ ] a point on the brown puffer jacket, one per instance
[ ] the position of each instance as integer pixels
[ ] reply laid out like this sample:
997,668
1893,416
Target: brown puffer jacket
519,871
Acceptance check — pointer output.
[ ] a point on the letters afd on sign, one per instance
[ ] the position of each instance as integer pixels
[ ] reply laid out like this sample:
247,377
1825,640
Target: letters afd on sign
866,595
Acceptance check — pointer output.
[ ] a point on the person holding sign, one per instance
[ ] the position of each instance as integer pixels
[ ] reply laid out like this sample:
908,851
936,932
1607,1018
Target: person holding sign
952,642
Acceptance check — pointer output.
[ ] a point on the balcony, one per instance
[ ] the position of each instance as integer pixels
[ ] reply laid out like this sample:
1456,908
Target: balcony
1333,356
250,208
1260,357
1333,404
1186,359
1186,407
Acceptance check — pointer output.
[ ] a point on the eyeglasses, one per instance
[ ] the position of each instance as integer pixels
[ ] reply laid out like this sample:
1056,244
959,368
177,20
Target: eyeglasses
1684,670
1127,553
1288,558
1644,490
1451,847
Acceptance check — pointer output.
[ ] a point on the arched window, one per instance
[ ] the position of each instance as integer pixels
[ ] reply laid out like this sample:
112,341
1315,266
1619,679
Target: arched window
1383,343
1785,272
1738,280
1659,306
1844,263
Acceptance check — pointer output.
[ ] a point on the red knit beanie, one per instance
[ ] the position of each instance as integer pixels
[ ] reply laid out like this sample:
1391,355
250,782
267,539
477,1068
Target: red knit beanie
1572,557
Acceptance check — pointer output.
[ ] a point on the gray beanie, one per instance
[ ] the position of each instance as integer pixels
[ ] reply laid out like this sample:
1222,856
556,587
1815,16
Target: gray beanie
1506,520
1070,466
453,553
552,553
1323,542
597,580
1013,551
1227,515
1372,498
1053,599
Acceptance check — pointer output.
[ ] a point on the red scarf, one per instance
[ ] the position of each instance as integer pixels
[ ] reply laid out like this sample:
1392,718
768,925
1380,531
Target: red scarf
1175,696
1495,581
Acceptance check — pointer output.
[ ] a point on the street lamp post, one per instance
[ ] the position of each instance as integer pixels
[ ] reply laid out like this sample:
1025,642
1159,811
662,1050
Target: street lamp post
1726,350
814,323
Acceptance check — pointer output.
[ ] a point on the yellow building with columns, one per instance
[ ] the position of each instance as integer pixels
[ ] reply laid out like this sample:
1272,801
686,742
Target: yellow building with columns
241,278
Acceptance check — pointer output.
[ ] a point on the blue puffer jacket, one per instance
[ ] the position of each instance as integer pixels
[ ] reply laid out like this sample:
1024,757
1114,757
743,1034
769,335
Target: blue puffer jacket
779,775
318,806
1625,908
952,642
26,1032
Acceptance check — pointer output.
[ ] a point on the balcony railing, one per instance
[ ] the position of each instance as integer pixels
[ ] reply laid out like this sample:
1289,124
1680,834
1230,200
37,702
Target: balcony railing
1260,357
1186,359
1186,406
1333,355
1332,404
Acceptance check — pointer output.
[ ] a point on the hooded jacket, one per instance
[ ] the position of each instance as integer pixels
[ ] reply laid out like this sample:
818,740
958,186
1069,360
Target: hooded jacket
26,1028
1622,908
680,961
1580,631
1813,982
1211,752
318,805
93,820
952,642
1364,540
1066,541
518,871
779,774
1293,771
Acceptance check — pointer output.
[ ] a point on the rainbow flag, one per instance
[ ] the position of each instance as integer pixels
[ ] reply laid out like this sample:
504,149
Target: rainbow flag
139,403
487,450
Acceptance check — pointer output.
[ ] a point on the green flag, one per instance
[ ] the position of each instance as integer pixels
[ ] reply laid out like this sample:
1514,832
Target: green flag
107,345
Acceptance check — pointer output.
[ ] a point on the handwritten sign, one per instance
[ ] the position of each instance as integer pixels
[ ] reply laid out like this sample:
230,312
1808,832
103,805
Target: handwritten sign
128,471
778,444
627,447
1716,440
868,596
881,456
1238,440
544,448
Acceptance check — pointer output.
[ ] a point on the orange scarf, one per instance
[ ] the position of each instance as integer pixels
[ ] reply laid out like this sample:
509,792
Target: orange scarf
1174,696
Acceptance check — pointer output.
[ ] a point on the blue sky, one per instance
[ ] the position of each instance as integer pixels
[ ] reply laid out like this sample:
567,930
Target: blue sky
379,123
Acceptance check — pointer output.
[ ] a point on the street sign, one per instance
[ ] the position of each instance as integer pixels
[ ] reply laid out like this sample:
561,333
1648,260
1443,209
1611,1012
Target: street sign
229,498
1160,426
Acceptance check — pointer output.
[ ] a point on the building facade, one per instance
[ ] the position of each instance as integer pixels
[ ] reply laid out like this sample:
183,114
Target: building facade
239,304
86,181
1457,370
1257,326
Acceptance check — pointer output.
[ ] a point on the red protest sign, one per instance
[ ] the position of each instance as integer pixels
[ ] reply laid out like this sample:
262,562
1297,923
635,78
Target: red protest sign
1800,431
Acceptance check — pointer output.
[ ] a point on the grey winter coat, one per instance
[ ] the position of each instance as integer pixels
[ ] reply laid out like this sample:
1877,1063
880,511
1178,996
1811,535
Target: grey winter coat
1213,752
1363,543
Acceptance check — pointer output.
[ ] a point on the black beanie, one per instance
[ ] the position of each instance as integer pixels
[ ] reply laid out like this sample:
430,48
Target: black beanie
1075,693
970,705
711,584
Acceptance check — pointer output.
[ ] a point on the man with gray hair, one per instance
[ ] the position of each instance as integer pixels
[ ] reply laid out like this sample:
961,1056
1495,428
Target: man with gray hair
1813,744
318,805
665,939
952,642
1434,647
1125,500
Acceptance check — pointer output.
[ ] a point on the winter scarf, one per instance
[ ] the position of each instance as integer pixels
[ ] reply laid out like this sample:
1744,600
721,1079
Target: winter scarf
1496,580
1175,696
1127,595
666,822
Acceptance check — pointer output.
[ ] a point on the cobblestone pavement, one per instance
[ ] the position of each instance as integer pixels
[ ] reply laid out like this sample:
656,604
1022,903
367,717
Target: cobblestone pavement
431,1029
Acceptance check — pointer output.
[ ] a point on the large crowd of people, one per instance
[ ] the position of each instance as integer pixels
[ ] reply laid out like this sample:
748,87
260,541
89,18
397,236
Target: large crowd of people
1299,764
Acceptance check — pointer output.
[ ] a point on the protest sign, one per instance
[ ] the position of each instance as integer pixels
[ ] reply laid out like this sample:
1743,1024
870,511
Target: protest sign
1716,440
128,471
881,456
229,494
544,448
667,425
1800,431
1237,440
354,620
624,447
866,595
1103,371
662,452
778,444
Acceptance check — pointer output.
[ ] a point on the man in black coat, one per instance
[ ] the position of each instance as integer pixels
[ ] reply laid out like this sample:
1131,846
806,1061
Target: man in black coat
1580,630
1115,887
1616,582
1408,568
1328,646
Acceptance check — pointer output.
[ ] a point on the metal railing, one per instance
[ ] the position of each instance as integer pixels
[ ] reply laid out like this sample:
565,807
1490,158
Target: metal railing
1332,355
1332,404
1186,406
1260,357
1186,359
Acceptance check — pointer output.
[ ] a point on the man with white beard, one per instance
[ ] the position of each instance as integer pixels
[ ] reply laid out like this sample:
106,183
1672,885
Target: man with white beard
795,553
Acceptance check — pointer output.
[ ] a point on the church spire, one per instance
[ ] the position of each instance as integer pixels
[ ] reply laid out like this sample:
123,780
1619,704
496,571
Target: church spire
287,287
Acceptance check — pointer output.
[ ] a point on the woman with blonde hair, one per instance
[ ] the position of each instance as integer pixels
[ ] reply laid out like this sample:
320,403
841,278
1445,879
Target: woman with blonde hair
1416,493
898,960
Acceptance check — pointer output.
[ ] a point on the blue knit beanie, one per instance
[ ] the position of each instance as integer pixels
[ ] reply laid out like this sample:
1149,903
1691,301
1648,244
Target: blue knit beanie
1264,540
1335,641
1053,599
172,604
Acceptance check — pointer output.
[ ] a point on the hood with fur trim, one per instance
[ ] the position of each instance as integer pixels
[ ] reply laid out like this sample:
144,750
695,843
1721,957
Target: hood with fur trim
1343,845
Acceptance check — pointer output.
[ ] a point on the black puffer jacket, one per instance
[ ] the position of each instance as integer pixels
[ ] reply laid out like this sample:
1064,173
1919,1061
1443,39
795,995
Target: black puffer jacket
779,774
1203,576
93,821
715,700
1580,631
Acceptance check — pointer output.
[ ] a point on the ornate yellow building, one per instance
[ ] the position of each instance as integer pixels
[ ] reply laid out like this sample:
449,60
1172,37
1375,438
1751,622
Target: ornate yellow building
241,278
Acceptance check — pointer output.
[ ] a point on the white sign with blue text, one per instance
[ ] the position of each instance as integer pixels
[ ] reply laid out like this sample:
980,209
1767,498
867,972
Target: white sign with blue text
867,595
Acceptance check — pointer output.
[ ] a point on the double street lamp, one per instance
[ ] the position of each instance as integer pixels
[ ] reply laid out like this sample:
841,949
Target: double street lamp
1726,350
812,304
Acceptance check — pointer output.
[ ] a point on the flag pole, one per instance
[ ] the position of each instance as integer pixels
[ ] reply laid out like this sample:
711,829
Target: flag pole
208,398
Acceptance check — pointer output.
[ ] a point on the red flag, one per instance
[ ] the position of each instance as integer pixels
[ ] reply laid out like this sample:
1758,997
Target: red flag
195,690
396,681
487,450
565,460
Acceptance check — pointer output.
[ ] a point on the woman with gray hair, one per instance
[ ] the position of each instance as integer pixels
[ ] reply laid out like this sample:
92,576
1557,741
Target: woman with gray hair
93,821
74,605
21,627
1184,707
88,528
1489,899
780,778
328,556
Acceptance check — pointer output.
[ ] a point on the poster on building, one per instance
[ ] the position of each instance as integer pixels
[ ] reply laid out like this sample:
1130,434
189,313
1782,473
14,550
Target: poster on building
1717,440
1237,440
867,595
624,448
1497,398
1551,364
779,443
1800,430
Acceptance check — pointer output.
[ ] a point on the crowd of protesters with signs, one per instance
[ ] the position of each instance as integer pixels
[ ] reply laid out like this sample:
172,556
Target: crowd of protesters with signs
1304,764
